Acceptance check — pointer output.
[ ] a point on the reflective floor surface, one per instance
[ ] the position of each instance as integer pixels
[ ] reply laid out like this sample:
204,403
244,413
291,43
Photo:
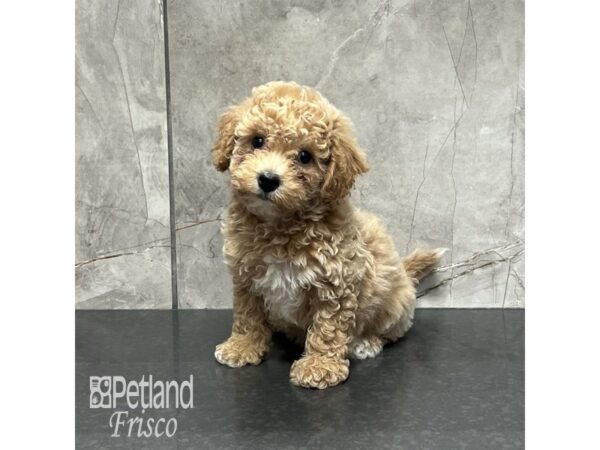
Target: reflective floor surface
455,381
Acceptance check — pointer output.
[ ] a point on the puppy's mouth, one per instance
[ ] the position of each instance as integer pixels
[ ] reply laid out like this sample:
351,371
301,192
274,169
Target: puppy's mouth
266,196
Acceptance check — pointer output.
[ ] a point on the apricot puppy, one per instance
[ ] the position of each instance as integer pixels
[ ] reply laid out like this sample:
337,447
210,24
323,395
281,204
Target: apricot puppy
303,260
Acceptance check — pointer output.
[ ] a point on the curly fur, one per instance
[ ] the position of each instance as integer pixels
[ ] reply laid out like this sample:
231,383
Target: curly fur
303,260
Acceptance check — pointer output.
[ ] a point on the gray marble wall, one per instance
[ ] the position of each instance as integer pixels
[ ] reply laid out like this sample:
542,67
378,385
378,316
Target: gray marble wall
435,89
122,185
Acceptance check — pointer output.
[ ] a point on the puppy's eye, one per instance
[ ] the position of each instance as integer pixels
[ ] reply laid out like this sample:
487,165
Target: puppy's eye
258,142
304,157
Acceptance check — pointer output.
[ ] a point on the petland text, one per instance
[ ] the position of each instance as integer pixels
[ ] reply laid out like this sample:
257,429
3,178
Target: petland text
116,392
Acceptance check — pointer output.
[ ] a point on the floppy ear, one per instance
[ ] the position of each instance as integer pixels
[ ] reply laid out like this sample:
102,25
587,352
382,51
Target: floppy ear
347,161
223,147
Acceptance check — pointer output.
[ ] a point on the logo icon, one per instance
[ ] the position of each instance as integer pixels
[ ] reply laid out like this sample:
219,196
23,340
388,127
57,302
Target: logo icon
100,389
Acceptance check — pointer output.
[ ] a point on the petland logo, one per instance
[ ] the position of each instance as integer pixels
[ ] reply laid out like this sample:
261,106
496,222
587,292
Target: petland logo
112,392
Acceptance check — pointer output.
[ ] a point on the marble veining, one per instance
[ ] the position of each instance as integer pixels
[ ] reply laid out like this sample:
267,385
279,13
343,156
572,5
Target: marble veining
435,90
122,188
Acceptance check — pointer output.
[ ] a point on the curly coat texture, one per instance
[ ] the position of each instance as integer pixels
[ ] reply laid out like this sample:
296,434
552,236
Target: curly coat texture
303,260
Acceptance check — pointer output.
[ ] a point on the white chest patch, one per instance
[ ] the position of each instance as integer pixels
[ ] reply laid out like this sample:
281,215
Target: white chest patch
283,288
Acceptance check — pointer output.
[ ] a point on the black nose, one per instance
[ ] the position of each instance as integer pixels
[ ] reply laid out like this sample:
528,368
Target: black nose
268,181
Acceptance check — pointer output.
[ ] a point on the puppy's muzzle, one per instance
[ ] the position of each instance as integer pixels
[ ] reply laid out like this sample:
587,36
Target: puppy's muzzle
268,182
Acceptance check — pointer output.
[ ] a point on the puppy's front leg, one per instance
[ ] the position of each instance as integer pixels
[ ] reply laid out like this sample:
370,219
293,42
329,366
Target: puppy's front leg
324,362
250,335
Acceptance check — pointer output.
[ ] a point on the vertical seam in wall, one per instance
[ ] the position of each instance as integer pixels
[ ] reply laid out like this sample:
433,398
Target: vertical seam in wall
173,231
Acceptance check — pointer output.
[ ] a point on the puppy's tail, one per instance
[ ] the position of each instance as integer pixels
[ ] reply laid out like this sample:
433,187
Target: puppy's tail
420,262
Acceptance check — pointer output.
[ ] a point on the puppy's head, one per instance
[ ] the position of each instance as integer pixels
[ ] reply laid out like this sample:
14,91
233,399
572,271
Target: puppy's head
288,150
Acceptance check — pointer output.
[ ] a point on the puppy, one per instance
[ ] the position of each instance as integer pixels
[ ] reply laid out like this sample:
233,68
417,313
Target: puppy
303,260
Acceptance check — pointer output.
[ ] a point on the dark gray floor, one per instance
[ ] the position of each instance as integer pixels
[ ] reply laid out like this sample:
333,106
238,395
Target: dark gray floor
455,381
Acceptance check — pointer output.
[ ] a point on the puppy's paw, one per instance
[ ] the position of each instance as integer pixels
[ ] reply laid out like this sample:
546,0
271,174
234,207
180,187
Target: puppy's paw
314,371
366,347
237,351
